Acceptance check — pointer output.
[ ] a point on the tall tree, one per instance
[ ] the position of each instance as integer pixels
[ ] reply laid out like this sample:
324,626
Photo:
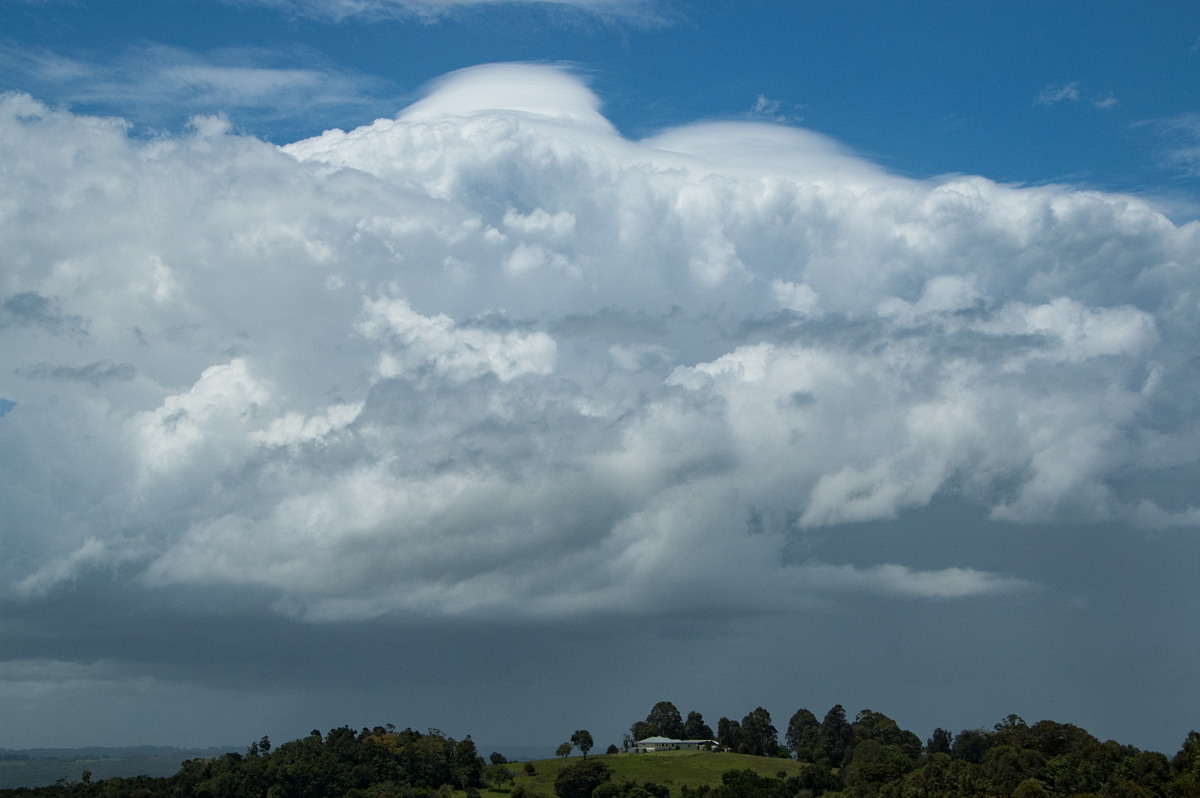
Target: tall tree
582,739
804,736
837,737
939,743
466,762
758,735
729,734
970,745
665,717
871,725
694,728
1187,759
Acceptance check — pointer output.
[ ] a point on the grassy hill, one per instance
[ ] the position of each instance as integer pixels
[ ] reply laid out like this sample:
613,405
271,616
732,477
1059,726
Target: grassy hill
671,768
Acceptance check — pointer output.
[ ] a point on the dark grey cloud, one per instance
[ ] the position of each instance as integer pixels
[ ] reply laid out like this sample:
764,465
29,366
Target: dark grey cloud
96,373
28,308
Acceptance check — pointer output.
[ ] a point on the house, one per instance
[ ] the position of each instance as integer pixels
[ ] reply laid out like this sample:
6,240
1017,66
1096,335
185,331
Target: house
651,744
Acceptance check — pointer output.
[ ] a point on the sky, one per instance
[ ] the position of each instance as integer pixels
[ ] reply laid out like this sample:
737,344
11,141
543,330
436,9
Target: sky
508,367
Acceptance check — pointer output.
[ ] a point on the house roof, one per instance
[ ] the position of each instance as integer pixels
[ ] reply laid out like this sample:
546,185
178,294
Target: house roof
661,740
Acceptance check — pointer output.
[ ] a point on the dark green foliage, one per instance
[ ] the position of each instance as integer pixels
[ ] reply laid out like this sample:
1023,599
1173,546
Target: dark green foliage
748,784
815,780
1187,760
971,744
643,729
666,718
874,762
626,788
729,734
656,790
694,728
563,751
579,779
880,761
803,737
373,763
837,737
497,775
939,743
1029,788
612,749
582,739
758,736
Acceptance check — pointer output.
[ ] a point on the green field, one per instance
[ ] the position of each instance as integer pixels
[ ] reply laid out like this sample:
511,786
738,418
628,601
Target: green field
673,769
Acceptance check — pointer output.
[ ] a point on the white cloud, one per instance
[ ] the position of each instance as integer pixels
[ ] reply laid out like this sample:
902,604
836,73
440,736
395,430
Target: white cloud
897,580
1184,152
411,341
487,357
1070,92
153,80
798,297
638,10
212,414
1055,94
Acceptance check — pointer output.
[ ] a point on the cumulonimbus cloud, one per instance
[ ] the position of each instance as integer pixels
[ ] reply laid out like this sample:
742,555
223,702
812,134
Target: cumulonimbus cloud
490,357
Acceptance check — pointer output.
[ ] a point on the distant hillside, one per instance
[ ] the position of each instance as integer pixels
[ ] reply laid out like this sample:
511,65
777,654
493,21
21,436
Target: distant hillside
35,767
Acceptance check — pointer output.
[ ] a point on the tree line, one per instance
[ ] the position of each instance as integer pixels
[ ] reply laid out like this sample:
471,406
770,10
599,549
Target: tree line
873,756
380,762
869,757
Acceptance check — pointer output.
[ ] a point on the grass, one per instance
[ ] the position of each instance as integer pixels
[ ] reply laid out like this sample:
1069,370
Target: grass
674,769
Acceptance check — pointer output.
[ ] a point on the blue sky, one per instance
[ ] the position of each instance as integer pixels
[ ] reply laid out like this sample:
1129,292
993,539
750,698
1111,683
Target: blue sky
1096,93
469,365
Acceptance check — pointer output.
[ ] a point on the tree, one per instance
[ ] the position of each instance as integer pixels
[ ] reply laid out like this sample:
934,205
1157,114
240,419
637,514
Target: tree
939,743
729,734
612,749
872,725
837,736
759,737
1187,760
694,728
1029,788
564,750
466,762
746,783
970,745
582,739
579,779
643,729
803,736
496,775
876,762
497,758
665,717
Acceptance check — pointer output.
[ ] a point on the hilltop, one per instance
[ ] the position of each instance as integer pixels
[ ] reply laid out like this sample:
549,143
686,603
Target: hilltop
672,769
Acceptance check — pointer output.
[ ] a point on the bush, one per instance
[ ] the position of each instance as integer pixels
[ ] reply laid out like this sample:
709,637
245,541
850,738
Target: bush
579,779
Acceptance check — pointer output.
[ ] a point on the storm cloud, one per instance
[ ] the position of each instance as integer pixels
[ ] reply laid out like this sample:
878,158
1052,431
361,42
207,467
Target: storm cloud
489,359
